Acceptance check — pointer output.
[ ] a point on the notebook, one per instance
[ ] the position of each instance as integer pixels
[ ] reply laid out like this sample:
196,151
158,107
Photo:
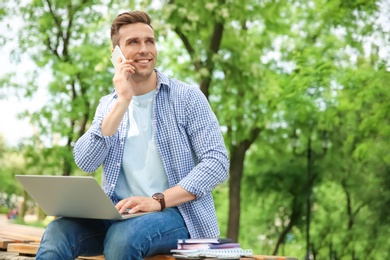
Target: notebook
71,196
233,253
204,240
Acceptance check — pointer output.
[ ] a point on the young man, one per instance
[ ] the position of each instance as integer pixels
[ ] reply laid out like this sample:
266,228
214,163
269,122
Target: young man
162,151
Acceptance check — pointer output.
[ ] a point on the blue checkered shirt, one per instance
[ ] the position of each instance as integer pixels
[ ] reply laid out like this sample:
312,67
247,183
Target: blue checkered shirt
188,139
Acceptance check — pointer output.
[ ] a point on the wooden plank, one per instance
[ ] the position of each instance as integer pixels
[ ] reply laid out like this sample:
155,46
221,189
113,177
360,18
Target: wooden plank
98,257
20,236
32,249
23,248
4,242
17,239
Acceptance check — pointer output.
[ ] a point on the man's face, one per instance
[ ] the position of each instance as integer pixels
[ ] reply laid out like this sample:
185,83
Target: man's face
137,43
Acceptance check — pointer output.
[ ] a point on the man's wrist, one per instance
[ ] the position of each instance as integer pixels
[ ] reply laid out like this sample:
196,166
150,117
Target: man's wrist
160,198
124,101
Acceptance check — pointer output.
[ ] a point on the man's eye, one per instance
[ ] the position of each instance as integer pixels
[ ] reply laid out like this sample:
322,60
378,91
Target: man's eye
132,42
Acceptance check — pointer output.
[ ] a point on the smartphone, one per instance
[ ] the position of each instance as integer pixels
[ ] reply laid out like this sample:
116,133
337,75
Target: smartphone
116,54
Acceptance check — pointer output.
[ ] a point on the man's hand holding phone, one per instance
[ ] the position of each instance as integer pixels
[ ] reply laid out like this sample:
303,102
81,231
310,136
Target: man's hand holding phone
116,54
124,90
123,71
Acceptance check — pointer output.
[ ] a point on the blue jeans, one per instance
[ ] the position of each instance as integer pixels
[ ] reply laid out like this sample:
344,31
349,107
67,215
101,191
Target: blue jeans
135,238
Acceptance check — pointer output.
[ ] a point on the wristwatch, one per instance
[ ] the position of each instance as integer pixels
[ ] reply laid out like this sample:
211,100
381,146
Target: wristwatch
160,198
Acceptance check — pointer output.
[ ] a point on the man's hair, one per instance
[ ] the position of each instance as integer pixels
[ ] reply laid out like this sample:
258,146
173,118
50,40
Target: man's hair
127,18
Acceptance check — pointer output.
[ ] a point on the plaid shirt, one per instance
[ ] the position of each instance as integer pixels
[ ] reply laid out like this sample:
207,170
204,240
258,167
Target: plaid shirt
188,139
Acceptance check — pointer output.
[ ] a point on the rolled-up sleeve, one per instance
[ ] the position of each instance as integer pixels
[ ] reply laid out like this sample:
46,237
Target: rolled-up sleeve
208,145
192,148
92,148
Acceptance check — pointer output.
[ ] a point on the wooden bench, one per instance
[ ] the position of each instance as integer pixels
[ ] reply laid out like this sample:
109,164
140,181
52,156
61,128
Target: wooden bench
19,242
30,249
25,247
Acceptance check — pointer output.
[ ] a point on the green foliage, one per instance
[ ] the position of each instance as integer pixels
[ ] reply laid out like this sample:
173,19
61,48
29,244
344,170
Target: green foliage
20,221
11,161
3,210
220,194
65,40
293,79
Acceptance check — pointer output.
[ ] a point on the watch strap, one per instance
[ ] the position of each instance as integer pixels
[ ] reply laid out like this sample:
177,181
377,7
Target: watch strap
160,198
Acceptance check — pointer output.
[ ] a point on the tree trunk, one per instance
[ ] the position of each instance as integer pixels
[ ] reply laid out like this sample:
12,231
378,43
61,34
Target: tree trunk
236,172
294,218
67,159
23,206
308,195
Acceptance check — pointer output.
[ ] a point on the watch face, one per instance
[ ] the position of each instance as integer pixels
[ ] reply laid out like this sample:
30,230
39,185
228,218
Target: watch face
158,196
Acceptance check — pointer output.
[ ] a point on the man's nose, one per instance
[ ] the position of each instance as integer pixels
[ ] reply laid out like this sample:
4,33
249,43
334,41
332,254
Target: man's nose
143,48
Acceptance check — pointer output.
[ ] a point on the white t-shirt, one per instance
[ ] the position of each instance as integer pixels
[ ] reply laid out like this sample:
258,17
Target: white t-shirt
142,172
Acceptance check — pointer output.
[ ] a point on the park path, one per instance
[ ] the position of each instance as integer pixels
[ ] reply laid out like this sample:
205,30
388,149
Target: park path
7,226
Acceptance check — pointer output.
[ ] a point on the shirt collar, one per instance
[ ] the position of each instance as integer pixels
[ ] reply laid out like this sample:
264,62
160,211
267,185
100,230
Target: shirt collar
161,80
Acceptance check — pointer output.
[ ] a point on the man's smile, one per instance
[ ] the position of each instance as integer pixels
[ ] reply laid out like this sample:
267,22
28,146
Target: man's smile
143,60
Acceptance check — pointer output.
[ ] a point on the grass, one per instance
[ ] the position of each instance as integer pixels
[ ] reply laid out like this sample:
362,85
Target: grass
20,221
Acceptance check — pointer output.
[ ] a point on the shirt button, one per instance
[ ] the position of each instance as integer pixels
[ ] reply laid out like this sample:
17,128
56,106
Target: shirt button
122,143
118,164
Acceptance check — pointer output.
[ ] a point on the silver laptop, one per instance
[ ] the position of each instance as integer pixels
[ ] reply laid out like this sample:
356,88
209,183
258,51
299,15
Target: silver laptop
71,196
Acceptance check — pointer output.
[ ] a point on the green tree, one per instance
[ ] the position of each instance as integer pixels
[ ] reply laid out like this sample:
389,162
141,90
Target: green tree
302,107
263,66
64,38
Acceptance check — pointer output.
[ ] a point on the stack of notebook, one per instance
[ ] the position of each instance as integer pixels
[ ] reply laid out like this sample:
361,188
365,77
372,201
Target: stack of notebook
219,248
